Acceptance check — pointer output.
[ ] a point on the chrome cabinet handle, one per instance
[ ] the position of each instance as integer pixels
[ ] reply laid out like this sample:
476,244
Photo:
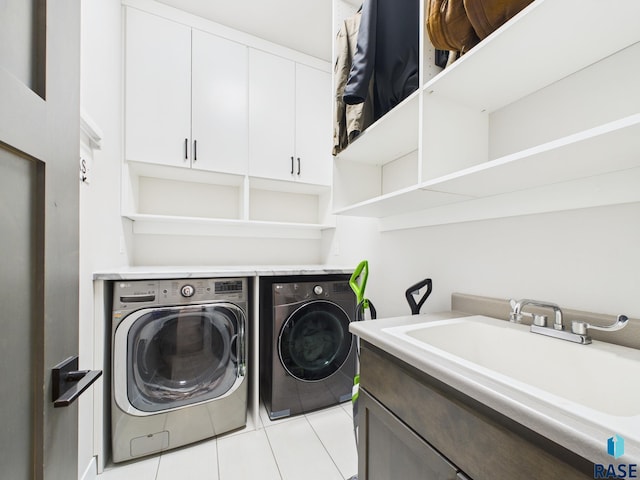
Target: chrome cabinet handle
68,383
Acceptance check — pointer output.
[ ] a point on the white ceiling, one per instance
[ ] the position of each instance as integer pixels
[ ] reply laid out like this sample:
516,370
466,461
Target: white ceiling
304,25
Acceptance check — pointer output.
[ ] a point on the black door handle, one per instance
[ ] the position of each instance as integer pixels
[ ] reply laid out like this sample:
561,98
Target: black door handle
68,383
291,165
298,165
195,150
186,149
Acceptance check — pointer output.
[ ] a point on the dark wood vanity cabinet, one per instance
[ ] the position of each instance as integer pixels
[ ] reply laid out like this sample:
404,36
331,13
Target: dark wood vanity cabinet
412,426
392,450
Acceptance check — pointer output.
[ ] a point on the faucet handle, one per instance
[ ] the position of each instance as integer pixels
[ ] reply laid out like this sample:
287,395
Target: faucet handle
515,315
540,320
581,327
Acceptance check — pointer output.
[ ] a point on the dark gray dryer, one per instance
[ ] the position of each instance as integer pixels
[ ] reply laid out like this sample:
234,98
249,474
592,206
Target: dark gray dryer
308,356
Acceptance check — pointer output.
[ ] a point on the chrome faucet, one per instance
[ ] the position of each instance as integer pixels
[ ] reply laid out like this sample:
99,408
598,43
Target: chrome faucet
540,320
579,330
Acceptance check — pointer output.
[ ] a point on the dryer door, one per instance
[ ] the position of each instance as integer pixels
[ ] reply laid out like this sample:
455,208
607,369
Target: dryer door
165,358
314,341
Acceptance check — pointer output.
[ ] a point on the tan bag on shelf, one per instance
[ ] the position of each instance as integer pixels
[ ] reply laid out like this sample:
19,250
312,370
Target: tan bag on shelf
449,27
458,25
488,15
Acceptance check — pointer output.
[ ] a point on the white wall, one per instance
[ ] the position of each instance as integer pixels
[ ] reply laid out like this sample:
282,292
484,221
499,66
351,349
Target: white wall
585,259
152,250
101,227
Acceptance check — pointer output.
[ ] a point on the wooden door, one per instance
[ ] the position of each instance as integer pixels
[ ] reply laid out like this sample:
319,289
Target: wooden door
39,141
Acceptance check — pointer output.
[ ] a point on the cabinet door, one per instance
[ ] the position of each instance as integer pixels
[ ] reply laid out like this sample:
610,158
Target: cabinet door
388,449
271,116
157,89
220,125
313,125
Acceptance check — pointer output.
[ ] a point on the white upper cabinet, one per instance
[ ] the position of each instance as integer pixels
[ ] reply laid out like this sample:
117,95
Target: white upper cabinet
225,133
186,96
219,83
289,120
313,125
271,116
157,90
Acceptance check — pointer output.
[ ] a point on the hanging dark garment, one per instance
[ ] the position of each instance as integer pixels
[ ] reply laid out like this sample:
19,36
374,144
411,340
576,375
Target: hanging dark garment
349,120
387,50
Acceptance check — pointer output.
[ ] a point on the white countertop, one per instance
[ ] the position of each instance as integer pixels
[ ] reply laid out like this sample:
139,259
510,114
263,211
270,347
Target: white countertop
153,272
582,437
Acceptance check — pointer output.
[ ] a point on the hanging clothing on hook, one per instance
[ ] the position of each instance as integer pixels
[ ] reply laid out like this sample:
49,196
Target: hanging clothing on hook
349,120
387,50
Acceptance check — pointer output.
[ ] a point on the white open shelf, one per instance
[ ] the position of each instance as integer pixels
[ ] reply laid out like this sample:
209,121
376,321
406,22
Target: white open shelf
608,189
181,225
545,42
609,148
392,136
545,45
163,200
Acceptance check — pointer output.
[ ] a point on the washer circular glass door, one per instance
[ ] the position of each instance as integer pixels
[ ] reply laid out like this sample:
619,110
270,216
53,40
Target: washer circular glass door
314,341
177,356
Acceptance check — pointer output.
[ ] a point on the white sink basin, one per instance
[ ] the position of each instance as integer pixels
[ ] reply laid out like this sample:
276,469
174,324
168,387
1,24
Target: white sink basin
600,376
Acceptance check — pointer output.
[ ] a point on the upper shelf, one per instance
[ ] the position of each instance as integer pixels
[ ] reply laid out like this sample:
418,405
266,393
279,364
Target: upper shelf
534,49
392,136
606,149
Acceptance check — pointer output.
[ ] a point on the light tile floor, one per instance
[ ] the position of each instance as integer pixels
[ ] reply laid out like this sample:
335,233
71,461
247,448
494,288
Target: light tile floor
316,446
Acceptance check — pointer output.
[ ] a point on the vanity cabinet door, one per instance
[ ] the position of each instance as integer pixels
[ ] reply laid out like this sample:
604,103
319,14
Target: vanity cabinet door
388,449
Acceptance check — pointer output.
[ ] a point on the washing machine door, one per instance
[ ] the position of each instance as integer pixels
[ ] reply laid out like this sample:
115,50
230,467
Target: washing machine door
314,341
166,358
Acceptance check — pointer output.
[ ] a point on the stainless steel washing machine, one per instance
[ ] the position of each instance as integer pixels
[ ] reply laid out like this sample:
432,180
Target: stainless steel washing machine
308,356
179,364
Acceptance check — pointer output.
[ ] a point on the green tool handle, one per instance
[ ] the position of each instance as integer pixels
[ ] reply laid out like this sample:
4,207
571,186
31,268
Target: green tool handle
360,273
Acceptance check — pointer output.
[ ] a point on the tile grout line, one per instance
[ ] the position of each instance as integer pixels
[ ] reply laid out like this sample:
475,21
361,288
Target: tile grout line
264,427
158,466
218,460
323,445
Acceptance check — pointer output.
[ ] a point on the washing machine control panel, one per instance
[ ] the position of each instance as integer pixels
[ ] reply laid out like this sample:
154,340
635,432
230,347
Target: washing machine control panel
187,291
136,294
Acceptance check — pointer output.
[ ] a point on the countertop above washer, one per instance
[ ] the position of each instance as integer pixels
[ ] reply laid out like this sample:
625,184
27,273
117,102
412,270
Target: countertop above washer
155,272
